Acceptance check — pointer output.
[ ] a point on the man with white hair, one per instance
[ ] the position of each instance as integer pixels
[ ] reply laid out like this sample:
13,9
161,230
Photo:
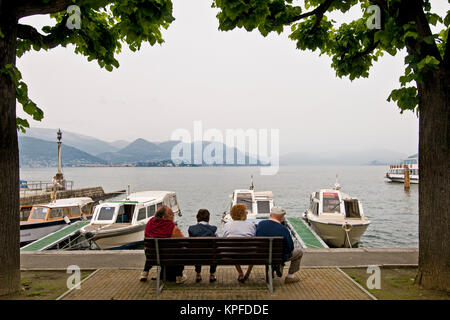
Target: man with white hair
273,227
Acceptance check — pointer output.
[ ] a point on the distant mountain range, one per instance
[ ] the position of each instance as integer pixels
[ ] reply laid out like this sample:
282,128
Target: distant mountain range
40,153
37,148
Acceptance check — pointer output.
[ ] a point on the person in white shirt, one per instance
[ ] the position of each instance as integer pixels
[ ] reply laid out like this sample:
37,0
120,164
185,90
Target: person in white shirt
240,227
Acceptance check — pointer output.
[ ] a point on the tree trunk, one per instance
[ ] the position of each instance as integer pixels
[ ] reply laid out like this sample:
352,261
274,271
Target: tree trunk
9,159
434,186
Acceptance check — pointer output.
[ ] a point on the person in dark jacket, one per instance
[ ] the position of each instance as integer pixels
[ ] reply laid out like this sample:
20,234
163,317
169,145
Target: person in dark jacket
203,229
273,227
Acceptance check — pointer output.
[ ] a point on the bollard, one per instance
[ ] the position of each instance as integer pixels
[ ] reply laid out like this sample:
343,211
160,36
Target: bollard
406,178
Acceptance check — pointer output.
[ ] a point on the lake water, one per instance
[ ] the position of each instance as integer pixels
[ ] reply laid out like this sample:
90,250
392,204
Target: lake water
392,211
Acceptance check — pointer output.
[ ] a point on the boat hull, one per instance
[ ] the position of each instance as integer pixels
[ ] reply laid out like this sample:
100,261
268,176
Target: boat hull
119,239
335,236
396,177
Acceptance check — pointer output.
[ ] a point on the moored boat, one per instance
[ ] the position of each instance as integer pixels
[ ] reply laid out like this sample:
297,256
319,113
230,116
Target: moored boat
121,224
336,217
258,204
396,172
44,219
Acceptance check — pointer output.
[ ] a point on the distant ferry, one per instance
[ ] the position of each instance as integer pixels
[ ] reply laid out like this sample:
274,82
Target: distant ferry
396,172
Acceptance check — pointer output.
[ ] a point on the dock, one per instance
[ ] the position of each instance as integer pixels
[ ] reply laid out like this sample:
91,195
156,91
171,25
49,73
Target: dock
304,234
56,239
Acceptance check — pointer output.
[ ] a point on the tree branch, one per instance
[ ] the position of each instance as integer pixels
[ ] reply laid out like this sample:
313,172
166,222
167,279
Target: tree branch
31,7
26,32
27,8
368,50
318,12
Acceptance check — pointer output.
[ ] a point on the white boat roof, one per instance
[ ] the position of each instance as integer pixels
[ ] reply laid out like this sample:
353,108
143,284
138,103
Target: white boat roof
145,196
264,194
69,202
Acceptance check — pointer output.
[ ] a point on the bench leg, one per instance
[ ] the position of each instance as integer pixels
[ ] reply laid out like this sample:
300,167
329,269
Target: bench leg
269,277
158,279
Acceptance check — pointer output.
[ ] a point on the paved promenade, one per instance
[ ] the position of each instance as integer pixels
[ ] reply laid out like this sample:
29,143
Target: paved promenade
314,284
134,259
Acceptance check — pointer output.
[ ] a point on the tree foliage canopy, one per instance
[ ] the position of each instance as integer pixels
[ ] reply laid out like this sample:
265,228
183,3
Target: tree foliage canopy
352,46
104,26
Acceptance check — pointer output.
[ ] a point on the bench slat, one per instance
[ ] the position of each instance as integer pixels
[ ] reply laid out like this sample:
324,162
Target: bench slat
207,262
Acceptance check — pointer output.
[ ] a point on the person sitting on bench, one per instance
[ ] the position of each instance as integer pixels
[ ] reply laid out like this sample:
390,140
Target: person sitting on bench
162,226
273,227
203,229
240,227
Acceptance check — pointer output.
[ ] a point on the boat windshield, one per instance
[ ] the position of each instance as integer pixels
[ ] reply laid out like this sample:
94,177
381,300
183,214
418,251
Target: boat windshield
331,203
39,213
263,206
106,213
245,199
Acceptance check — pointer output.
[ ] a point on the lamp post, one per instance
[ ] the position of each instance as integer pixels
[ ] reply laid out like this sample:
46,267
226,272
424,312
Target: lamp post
59,175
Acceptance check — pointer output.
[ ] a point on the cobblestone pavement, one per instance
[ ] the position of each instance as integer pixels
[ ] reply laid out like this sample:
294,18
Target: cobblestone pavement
314,284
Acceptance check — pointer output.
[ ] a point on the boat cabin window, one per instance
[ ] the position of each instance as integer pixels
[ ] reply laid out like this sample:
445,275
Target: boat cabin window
142,214
125,213
75,212
58,213
331,203
315,208
352,208
173,201
263,206
151,211
106,213
246,199
39,213
25,213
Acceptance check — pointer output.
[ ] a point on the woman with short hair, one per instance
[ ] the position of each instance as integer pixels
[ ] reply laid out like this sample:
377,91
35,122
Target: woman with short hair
240,227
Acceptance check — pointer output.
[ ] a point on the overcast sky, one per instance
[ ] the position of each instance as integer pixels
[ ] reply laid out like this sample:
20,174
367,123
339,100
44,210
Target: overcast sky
227,80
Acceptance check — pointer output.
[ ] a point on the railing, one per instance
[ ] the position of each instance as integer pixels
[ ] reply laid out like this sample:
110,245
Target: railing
28,188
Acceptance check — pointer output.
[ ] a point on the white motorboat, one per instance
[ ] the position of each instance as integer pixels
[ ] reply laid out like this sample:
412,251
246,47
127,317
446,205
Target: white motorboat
121,224
46,218
336,217
396,172
258,204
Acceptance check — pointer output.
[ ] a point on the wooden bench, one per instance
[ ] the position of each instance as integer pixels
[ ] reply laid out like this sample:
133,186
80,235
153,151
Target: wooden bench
266,251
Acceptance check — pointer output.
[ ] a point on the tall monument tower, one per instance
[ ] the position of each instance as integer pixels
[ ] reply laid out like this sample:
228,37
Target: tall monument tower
59,175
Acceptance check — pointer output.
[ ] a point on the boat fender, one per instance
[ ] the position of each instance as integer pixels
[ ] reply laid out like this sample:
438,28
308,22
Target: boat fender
67,220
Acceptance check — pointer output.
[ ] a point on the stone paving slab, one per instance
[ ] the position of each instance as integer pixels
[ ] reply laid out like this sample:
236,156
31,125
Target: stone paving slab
314,284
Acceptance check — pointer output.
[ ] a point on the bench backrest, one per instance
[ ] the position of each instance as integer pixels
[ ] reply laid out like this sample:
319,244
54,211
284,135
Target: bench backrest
212,250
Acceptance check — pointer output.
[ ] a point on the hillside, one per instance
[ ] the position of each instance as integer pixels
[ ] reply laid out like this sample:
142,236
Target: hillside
84,143
40,153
